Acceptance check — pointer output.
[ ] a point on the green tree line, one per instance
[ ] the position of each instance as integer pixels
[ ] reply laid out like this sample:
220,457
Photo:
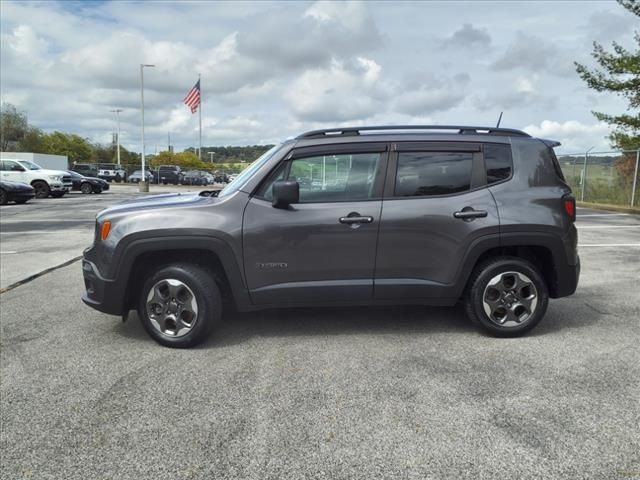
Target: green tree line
17,135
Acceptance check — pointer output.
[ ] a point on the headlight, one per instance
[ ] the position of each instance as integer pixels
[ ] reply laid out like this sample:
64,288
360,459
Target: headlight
56,178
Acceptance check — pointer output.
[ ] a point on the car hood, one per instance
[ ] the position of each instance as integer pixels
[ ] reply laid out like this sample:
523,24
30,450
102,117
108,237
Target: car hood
47,172
155,202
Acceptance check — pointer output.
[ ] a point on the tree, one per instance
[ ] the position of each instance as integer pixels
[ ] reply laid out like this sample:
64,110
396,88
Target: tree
186,160
13,126
32,141
76,148
619,74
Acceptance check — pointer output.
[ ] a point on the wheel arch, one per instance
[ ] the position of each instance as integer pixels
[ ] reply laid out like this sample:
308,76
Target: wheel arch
545,251
142,256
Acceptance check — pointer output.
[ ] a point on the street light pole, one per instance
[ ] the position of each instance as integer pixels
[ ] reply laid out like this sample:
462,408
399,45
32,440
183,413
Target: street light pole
144,186
211,154
117,112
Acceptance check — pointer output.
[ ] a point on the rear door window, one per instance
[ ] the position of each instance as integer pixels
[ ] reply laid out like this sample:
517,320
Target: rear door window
433,173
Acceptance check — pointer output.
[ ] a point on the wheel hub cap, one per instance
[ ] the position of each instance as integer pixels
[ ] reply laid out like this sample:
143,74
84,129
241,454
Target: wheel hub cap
172,308
509,299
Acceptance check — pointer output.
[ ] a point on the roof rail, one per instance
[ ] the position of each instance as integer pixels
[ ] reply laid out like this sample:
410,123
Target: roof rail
352,131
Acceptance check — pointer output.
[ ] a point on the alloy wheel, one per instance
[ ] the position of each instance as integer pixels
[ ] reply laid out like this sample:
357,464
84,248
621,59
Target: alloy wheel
172,308
510,299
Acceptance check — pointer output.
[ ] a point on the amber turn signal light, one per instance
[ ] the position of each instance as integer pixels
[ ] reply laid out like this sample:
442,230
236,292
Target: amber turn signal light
105,229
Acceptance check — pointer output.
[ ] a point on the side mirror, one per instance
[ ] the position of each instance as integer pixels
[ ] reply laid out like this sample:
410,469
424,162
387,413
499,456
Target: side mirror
285,192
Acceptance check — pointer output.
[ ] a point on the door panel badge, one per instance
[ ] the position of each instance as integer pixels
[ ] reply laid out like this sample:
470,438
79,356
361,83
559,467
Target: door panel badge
272,265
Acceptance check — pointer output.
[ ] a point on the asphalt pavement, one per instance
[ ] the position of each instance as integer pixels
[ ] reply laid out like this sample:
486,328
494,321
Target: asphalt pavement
349,393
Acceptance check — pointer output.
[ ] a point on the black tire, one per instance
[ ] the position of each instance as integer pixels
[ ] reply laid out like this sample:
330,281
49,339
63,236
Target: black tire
118,178
505,267
20,201
57,194
202,284
86,188
4,197
42,189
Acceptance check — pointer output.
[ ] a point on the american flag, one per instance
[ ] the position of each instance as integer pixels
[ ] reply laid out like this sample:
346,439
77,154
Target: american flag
192,100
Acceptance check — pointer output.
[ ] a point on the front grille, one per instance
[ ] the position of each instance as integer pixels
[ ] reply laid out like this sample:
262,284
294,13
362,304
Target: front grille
66,179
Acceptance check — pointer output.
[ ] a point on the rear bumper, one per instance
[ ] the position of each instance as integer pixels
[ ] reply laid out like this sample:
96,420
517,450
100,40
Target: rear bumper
104,295
567,277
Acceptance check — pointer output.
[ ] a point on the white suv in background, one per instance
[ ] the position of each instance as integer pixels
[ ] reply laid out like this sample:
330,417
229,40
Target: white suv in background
45,182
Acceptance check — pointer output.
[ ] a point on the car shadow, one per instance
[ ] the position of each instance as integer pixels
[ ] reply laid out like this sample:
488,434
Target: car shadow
333,321
239,327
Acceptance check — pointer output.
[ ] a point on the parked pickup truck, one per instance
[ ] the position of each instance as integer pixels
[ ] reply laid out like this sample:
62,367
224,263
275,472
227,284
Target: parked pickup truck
45,182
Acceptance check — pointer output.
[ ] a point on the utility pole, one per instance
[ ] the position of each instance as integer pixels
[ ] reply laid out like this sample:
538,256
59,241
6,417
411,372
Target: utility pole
200,119
144,186
584,173
635,179
117,112
211,154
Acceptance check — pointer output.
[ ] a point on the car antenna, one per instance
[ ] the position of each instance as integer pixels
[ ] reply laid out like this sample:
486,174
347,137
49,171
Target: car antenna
499,119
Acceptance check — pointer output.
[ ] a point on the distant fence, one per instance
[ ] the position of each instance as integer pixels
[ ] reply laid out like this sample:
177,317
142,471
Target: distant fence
603,177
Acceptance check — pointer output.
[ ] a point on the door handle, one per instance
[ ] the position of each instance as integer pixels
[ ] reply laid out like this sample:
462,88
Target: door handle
468,213
355,219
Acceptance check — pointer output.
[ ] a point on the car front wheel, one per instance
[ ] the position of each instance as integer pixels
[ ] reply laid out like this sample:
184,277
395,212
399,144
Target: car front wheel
86,188
506,296
42,189
4,197
180,304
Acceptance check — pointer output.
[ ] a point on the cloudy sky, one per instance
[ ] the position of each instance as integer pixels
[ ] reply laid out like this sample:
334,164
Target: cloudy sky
273,69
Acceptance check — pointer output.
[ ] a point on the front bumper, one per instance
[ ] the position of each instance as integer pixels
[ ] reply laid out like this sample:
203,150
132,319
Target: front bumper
104,295
60,187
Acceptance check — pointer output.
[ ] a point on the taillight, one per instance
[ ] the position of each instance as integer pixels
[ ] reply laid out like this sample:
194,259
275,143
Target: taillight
105,229
569,203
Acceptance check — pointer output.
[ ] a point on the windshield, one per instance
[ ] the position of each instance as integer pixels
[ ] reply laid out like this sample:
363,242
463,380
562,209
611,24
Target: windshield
74,174
246,174
29,165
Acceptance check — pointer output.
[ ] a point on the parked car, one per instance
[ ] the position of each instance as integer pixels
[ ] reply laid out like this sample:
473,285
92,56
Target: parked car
86,169
428,215
221,178
112,172
45,182
169,174
194,177
210,177
15,192
87,184
136,176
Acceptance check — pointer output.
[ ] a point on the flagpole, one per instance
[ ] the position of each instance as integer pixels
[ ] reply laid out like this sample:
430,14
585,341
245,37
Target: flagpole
200,120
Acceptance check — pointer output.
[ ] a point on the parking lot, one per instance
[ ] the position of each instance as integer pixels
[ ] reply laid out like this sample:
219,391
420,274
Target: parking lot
357,393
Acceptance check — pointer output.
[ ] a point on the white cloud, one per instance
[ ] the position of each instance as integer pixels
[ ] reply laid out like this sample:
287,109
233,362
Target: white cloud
575,136
271,69
339,93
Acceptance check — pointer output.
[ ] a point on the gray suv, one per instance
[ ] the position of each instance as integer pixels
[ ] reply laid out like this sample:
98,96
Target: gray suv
427,215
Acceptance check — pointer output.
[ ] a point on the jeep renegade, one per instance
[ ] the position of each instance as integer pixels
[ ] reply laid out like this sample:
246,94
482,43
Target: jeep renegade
428,215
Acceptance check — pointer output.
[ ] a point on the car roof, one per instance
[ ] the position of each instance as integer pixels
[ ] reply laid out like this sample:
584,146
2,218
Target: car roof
415,133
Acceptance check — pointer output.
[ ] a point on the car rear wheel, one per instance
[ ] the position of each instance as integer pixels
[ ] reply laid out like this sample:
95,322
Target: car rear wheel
506,296
180,304
4,197
42,189
86,188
